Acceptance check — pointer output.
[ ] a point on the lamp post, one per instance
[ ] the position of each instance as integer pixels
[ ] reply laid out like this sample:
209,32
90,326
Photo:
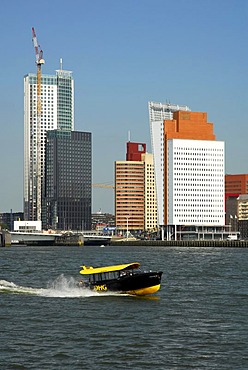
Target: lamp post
231,226
127,228
235,223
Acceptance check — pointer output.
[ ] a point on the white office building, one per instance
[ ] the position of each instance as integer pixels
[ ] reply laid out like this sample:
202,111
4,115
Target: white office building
158,112
196,188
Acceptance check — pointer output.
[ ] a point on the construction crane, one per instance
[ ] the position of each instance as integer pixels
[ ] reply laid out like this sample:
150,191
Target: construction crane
103,186
39,61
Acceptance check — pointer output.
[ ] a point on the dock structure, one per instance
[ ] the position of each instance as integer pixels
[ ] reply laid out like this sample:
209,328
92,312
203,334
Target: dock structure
41,238
33,238
8,238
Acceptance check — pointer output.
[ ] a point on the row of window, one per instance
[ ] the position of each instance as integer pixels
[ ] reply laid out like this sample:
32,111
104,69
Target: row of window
192,221
179,150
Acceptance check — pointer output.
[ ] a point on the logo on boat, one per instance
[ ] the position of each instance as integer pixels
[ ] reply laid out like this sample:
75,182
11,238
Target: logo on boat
100,288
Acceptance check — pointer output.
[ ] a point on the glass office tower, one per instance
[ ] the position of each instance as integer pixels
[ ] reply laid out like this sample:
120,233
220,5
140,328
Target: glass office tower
57,101
67,181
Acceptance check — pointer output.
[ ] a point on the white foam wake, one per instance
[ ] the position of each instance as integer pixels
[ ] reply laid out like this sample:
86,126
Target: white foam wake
9,287
61,287
66,287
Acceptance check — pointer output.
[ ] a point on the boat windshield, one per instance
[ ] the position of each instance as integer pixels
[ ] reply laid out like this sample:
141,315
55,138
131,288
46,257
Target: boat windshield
104,276
129,272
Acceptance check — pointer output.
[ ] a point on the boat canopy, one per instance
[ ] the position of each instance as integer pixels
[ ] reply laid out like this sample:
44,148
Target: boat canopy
88,270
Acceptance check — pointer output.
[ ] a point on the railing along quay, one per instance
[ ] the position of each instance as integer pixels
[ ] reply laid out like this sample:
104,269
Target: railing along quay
184,243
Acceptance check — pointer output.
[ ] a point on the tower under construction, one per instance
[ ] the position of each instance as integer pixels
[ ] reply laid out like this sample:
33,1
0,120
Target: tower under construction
48,105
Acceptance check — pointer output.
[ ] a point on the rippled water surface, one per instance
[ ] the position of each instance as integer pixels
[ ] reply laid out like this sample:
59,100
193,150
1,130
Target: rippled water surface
198,320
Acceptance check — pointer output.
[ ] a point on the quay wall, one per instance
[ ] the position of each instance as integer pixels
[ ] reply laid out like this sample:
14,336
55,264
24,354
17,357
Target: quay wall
5,239
184,243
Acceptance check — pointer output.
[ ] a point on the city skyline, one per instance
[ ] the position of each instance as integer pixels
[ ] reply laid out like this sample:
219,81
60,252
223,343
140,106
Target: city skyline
124,54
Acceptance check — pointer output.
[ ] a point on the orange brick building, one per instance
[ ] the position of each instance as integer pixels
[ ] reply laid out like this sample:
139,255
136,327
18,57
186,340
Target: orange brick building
135,195
129,195
236,184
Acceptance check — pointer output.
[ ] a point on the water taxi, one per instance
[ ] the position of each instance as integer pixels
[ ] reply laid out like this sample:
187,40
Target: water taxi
125,278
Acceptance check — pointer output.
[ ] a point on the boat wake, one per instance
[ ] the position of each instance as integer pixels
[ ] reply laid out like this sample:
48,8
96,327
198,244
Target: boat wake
61,287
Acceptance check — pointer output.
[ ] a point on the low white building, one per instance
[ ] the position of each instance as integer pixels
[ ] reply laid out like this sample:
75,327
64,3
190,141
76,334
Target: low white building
27,226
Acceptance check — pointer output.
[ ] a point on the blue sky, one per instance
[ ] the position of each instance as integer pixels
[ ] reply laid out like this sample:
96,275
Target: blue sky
124,53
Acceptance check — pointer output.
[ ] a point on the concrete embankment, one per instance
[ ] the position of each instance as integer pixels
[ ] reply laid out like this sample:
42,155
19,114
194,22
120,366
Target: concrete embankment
5,239
184,243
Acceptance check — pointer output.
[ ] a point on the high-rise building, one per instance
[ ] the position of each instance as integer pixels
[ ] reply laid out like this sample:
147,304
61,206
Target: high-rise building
135,195
158,112
57,104
189,170
67,181
129,195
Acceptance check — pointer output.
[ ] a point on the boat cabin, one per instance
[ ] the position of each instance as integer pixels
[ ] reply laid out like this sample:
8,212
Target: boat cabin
109,272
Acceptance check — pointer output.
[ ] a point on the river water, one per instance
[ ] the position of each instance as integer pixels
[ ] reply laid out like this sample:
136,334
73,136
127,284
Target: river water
198,320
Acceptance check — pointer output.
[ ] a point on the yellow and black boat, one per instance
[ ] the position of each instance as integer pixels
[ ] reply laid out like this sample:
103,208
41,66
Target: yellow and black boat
125,278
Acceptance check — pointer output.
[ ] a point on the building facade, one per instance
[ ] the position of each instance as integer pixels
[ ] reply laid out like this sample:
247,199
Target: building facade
129,195
189,170
231,205
7,219
195,182
101,221
67,181
57,104
135,151
151,209
236,184
242,207
135,194
242,216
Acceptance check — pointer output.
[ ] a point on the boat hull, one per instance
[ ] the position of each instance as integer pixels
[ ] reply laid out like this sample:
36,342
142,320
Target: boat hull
136,284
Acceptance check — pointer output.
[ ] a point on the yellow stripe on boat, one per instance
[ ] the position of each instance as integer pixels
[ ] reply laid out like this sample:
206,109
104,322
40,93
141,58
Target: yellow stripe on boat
88,270
144,291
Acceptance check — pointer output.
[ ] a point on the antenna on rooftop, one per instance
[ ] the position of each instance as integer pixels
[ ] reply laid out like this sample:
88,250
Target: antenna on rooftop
129,135
61,63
